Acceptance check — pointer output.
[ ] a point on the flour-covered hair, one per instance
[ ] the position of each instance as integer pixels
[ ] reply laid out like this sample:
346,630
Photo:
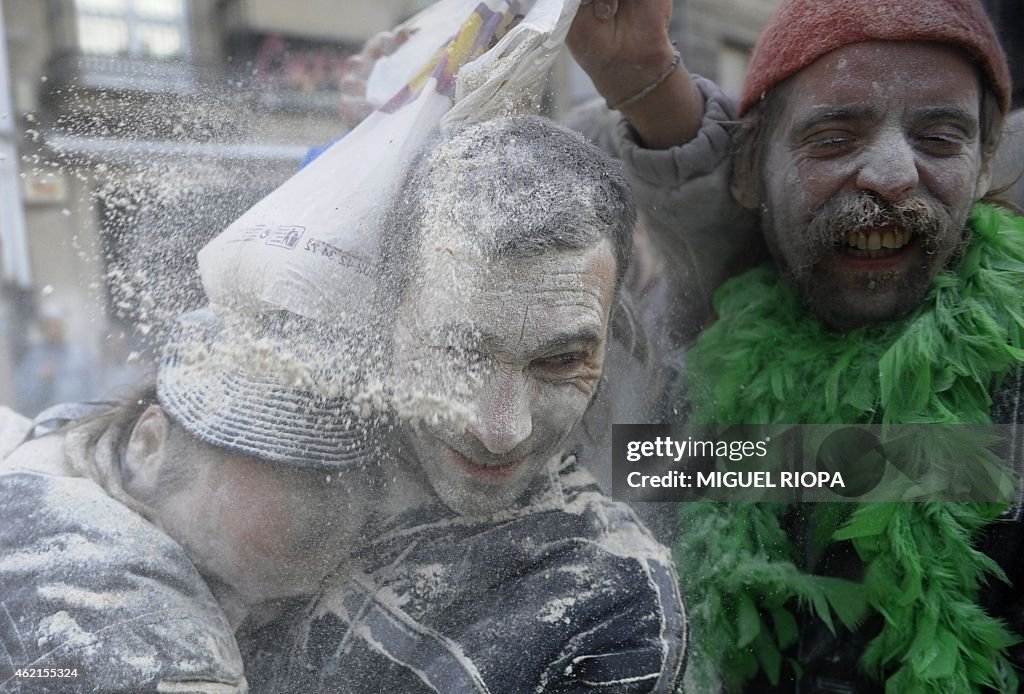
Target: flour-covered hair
518,187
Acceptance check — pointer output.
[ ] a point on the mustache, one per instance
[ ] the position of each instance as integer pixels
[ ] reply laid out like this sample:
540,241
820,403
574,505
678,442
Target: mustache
921,216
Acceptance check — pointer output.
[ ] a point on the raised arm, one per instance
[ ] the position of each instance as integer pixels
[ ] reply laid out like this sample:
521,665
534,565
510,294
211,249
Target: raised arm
623,45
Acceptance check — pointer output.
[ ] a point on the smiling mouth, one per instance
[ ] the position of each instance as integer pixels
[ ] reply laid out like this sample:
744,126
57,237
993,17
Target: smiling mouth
484,473
876,243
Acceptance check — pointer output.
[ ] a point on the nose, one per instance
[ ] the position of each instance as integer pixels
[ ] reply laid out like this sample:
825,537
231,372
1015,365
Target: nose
502,418
889,168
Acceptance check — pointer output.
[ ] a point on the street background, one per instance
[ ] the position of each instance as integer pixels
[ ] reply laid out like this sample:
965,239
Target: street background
133,131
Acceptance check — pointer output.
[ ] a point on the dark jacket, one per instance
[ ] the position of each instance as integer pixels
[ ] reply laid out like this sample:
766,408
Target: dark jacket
564,592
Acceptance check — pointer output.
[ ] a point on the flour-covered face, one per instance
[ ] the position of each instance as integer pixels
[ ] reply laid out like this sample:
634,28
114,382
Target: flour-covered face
265,530
870,175
499,360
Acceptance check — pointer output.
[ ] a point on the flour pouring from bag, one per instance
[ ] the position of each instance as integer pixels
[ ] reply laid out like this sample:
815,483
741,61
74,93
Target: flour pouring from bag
310,247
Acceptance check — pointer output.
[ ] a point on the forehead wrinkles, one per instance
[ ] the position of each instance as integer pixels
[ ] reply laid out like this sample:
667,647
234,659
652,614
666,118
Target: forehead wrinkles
458,263
513,296
544,278
508,287
511,320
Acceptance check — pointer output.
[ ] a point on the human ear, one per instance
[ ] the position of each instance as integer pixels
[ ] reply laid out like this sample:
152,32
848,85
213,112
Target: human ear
745,187
146,453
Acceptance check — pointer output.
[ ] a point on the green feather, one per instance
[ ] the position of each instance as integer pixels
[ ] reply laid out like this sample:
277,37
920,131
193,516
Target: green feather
767,361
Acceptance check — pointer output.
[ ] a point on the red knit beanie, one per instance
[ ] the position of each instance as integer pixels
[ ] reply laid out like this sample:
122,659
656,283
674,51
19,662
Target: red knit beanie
801,31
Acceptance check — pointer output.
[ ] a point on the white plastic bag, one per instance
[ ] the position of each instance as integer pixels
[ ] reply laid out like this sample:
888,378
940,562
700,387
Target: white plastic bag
310,246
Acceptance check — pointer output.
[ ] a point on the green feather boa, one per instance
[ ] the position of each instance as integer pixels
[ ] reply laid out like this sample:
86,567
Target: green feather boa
766,360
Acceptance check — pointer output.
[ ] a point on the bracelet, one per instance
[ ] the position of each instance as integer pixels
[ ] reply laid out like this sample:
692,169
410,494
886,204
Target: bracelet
677,59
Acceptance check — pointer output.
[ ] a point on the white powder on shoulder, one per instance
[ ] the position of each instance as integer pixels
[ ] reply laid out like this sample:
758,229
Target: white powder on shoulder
60,629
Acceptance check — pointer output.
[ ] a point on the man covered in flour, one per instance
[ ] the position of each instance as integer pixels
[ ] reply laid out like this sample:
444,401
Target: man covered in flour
138,536
236,527
861,159
501,566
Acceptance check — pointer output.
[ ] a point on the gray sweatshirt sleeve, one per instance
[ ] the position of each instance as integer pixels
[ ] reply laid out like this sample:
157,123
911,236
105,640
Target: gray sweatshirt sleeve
698,231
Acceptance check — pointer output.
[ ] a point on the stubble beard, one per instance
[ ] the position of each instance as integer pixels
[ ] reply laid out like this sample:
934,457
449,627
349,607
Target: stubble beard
808,255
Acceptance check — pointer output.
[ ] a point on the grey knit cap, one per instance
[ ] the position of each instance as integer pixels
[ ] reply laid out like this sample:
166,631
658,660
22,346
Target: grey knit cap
268,386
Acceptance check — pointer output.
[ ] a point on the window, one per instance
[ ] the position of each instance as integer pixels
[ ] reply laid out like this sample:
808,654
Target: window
137,28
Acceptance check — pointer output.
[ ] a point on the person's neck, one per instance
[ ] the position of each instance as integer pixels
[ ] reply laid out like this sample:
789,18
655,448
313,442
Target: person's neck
405,483
231,602
240,610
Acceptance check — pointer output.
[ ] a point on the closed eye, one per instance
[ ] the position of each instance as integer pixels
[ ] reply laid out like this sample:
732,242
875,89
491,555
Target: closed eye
829,143
941,143
561,364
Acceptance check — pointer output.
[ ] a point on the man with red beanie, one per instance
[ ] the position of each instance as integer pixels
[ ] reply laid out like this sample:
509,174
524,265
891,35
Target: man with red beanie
859,156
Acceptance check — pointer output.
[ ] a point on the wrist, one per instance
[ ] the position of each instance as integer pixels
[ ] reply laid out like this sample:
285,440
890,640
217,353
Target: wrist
635,98
620,79
669,115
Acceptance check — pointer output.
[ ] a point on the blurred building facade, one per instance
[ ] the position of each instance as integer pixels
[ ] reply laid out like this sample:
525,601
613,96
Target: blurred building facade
716,36
1008,17
135,130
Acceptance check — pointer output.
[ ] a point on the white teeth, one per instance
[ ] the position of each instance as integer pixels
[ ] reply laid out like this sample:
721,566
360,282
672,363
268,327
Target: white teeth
875,240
